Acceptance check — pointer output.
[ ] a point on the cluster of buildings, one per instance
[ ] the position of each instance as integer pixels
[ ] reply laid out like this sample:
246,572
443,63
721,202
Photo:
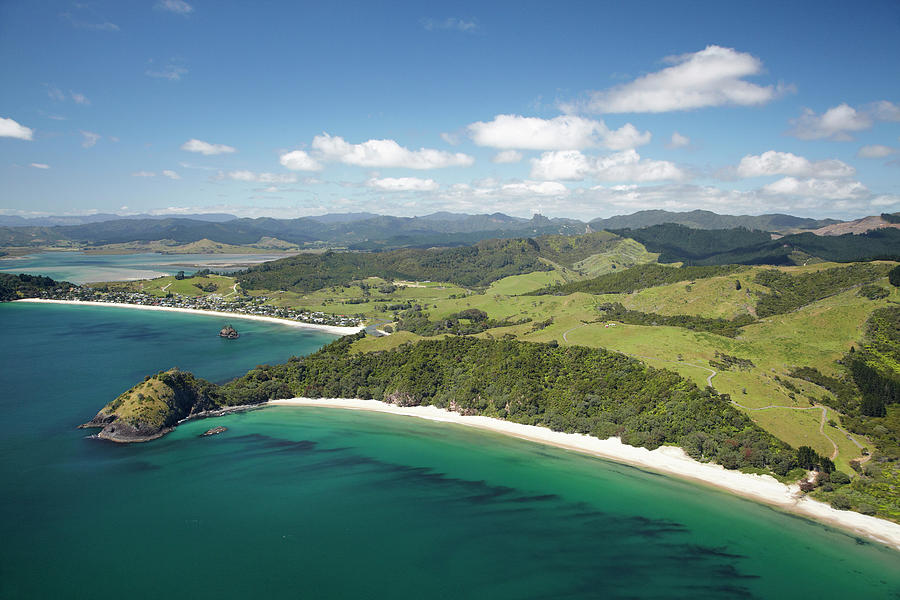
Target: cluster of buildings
252,306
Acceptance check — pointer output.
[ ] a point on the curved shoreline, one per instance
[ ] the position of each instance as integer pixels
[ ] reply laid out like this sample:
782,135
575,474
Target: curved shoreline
333,329
668,460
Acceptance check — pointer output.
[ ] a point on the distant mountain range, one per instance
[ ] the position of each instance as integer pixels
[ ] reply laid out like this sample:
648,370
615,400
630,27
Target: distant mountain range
16,221
704,219
368,231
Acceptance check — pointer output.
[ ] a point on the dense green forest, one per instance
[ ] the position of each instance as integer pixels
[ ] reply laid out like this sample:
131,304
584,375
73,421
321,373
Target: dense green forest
572,389
727,327
790,292
465,322
870,400
637,277
476,265
13,287
677,243
469,266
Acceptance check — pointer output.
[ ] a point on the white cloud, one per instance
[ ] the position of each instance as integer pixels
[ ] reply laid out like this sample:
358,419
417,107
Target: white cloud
678,141
39,165
386,153
837,123
170,71
243,175
507,156
298,160
450,138
90,139
534,188
710,77
565,132
621,166
176,6
785,163
885,111
82,24
625,137
830,189
451,23
143,174
55,93
205,148
875,151
80,98
10,128
171,174
403,184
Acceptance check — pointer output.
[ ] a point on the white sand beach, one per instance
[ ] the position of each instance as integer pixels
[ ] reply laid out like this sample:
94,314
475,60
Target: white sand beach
666,459
228,315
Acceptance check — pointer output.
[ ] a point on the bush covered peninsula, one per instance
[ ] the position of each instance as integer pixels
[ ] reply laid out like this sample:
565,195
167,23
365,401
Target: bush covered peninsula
780,366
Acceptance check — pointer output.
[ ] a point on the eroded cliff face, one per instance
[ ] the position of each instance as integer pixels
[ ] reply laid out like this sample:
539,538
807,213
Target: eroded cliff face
153,407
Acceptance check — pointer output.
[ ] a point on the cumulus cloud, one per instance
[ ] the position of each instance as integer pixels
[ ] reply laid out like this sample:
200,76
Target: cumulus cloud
507,157
534,188
678,141
830,189
785,163
875,151
171,174
885,111
711,77
205,148
566,132
620,166
39,165
143,174
298,160
243,175
386,153
80,98
837,123
12,129
452,24
403,184
90,139
176,6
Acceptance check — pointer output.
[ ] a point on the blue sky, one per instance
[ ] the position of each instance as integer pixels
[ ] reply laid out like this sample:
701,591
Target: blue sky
577,109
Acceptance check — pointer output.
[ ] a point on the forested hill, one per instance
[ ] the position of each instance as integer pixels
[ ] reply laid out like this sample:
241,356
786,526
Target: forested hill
470,266
704,219
14,287
365,232
677,243
476,265
572,389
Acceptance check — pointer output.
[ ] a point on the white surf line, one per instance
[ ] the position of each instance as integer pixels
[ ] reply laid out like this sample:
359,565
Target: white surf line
333,329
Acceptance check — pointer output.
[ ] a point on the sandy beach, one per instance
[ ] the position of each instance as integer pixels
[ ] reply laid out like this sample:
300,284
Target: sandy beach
668,460
228,315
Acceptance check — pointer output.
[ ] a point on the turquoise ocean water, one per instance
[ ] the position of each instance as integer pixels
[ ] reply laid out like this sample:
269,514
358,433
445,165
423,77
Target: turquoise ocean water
323,503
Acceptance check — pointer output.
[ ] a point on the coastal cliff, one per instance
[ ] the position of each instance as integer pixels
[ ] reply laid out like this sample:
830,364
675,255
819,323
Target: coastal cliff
153,407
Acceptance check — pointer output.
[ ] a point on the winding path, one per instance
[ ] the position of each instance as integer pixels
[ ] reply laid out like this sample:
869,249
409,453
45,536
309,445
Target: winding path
568,331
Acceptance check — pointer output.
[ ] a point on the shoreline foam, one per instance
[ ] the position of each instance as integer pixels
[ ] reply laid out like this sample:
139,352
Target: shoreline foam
333,329
668,460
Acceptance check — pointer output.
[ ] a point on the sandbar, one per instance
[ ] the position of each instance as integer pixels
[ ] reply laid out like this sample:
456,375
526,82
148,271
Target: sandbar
668,460
333,329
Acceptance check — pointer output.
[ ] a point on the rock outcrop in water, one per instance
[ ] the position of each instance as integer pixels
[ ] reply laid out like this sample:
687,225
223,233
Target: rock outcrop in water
153,407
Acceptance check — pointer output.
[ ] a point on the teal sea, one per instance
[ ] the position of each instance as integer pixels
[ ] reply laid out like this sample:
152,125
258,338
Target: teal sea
78,267
324,503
